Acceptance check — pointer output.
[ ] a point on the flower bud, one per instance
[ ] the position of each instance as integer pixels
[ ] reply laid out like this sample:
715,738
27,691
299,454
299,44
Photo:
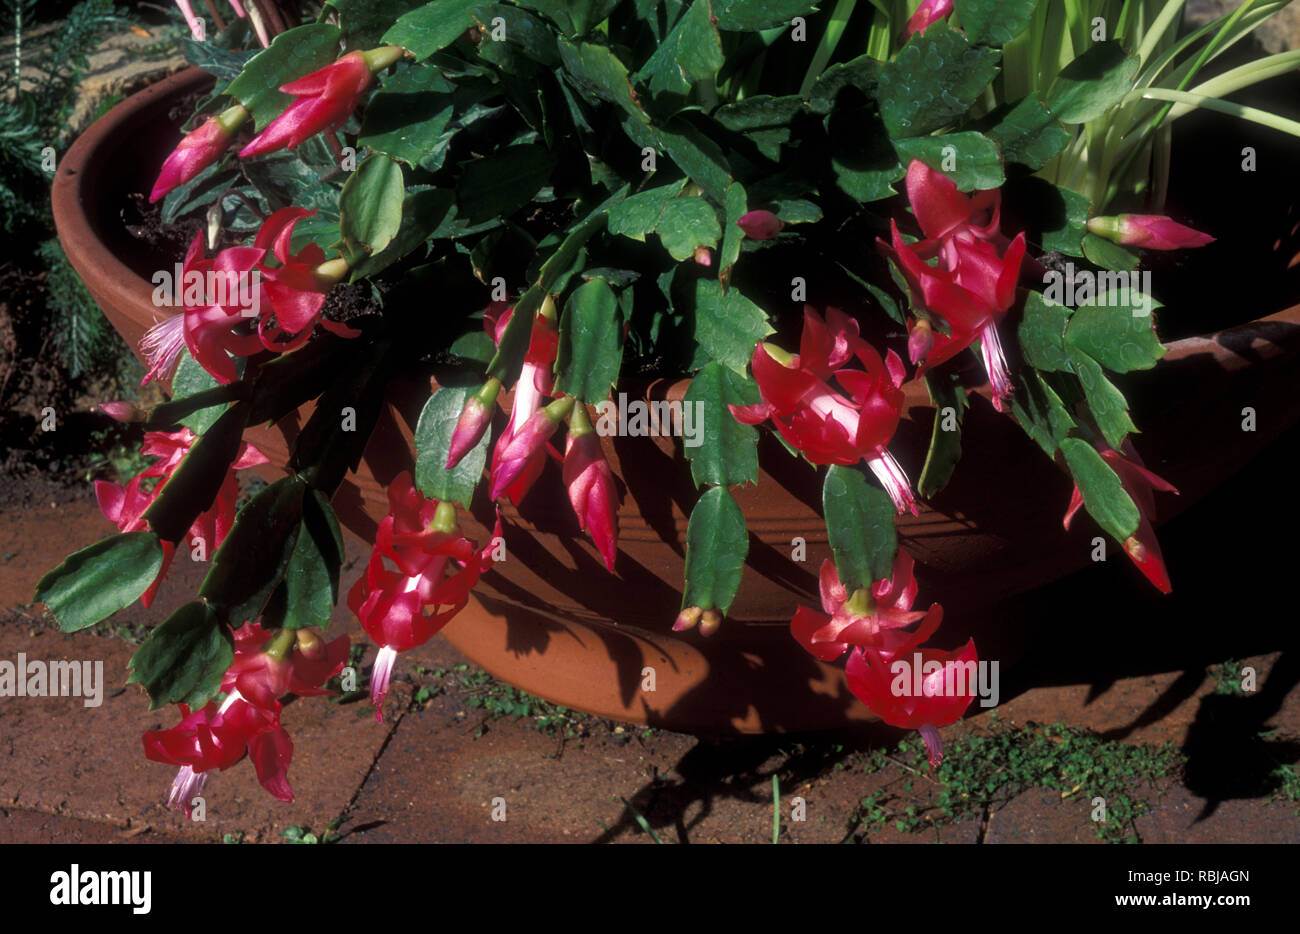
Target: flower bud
710,622
122,411
920,341
687,619
198,150
473,422
1148,231
760,225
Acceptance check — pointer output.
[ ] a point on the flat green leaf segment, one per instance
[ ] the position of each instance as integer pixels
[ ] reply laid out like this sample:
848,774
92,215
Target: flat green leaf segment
94,583
370,207
1093,83
432,27
292,55
184,659
683,223
691,52
971,160
433,442
716,545
726,452
995,22
934,80
748,15
309,589
251,562
590,342
860,524
189,381
949,400
728,325
1103,493
406,118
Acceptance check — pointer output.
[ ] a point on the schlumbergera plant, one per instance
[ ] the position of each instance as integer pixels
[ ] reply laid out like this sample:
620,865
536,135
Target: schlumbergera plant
799,209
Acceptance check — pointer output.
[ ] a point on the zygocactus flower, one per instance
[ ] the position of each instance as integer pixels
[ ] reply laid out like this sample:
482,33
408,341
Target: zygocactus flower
295,288
527,444
1148,231
888,688
1142,546
268,665
591,487
198,150
272,663
828,426
212,326
931,11
125,506
515,476
974,282
760,225
874,617
215,738
436,567
326,98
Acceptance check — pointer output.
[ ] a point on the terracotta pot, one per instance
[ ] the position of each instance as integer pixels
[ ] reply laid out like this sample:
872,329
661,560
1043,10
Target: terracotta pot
552,622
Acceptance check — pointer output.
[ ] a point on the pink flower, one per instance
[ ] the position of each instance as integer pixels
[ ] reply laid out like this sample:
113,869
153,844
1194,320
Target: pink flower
889,688
1148,231
296,287
591,487
760,225
826,425
218,737
215,322
262,674
526,448
931,11
875,618
1142,547
198,150
515,476
326,98
974,282
436,566
125,506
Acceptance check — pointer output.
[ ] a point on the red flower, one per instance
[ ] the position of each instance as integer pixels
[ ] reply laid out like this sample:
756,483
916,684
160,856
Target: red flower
591,487
889,688
295,289
1142,546
875,618
1148,231
828,426
126,505
326,98
262,677
931,11
198,150
974,282
212,324
514,475
217,738
436,567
